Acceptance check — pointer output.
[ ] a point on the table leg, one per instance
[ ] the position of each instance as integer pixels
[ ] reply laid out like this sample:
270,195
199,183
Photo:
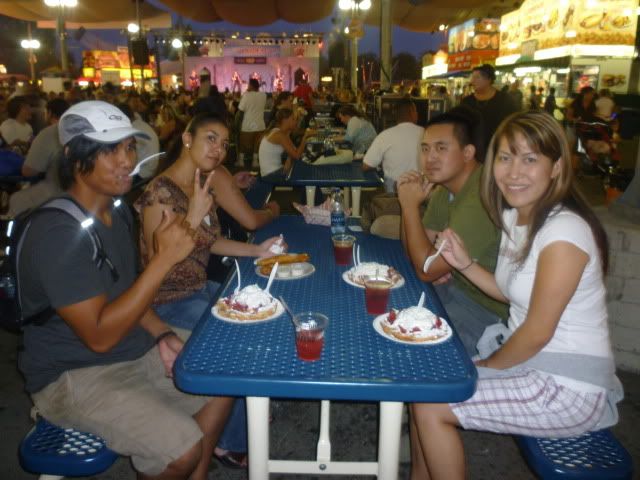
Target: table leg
346,194
311,195
324,441
389,440
258,420
355,194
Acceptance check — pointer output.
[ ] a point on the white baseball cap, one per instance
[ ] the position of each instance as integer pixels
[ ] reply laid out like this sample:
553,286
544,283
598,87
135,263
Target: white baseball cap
96,120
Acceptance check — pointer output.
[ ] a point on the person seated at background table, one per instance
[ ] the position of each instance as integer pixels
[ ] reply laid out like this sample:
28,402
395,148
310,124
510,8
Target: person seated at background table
102,360
396,148
554,376
16,131
451,151
43,156
359,132
185,293
277,142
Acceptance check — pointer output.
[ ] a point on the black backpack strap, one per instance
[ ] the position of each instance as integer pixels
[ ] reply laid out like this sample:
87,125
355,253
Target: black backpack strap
71,207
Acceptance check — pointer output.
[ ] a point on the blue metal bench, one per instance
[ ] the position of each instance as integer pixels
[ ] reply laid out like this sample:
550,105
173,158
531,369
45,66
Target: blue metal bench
594,455
55,452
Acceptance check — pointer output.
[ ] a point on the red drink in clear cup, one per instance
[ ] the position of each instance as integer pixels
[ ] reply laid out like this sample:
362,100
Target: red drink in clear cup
376,295
310,327
309,345
343,248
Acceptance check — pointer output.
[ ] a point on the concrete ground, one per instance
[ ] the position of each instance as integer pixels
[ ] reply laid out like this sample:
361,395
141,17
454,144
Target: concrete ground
294,429
294,433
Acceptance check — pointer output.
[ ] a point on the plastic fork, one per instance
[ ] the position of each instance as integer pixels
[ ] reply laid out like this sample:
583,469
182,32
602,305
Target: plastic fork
136,169
429,260
237,289
272,276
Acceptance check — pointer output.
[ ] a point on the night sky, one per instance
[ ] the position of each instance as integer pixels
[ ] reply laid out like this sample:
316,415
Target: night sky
403,40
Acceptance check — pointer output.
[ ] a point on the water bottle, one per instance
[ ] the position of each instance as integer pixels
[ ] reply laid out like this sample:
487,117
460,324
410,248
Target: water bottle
338,218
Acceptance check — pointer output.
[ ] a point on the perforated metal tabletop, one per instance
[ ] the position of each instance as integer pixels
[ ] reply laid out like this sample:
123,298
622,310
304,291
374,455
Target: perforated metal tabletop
357,363
346,175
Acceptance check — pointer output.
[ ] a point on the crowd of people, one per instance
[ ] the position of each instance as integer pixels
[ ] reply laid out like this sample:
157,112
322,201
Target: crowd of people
523,260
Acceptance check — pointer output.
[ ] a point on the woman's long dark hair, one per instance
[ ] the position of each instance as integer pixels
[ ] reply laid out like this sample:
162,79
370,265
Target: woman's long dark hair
544,135
192,127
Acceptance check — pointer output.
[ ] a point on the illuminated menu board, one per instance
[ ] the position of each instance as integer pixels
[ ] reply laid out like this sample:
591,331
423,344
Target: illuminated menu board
568,22
473,43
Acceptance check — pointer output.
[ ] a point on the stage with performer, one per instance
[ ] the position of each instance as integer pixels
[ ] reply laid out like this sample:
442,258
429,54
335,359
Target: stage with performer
277,64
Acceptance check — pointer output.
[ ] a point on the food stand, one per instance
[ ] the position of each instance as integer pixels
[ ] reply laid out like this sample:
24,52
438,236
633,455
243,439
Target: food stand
470,44
101,66
569,44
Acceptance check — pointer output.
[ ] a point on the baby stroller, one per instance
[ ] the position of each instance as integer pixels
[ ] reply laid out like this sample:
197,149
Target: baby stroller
596,149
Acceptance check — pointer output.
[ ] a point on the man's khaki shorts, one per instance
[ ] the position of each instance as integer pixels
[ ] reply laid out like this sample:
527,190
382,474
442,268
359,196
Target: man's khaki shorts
132,405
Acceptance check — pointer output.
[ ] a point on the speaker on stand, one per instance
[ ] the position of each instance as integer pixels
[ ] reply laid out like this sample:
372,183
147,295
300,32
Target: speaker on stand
140,51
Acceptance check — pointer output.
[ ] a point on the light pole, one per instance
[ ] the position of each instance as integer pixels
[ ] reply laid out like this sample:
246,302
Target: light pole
31,44
179,44
60,5
354,31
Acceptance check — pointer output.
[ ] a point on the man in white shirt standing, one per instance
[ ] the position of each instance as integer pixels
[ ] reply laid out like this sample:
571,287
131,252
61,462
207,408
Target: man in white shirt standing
252,104
396,148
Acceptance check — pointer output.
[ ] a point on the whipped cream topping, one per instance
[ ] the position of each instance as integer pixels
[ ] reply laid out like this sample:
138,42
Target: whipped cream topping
369,269
253,298
417,322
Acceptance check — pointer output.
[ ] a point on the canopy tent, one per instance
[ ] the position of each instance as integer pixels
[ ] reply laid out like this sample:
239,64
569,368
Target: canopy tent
88,13
414,15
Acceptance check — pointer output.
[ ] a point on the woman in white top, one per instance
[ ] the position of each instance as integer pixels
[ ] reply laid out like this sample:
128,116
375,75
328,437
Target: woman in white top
554,374
277,141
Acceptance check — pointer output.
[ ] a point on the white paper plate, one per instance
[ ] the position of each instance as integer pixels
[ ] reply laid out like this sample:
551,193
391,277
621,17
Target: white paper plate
378,328
279,311
345,277
291,271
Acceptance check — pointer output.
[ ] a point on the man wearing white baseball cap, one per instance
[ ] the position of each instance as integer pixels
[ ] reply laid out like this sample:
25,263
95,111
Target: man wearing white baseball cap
102,361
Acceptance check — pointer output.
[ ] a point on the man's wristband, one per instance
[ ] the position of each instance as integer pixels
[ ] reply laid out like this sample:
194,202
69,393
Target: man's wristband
164,335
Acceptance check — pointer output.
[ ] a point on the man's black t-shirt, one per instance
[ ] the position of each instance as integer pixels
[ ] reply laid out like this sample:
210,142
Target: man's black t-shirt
493,111
57,269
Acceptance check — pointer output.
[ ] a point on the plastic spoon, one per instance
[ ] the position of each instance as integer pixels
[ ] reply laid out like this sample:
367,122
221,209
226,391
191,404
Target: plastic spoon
429,260
272,275
136,169
358,254
286,307
353,254
421,301
238,272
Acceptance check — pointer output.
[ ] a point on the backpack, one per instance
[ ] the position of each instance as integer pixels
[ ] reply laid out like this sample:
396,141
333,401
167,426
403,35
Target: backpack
12,317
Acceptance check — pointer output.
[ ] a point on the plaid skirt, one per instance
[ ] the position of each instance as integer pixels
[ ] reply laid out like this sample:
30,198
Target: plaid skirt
528,402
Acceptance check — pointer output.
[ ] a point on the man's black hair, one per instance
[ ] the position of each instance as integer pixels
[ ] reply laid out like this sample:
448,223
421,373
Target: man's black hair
254,83
404,106
15,104
79,155
57,107
467,128
487,71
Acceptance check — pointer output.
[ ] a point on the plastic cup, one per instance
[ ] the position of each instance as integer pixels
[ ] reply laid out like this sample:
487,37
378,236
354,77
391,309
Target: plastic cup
342,248
310,327
376,294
